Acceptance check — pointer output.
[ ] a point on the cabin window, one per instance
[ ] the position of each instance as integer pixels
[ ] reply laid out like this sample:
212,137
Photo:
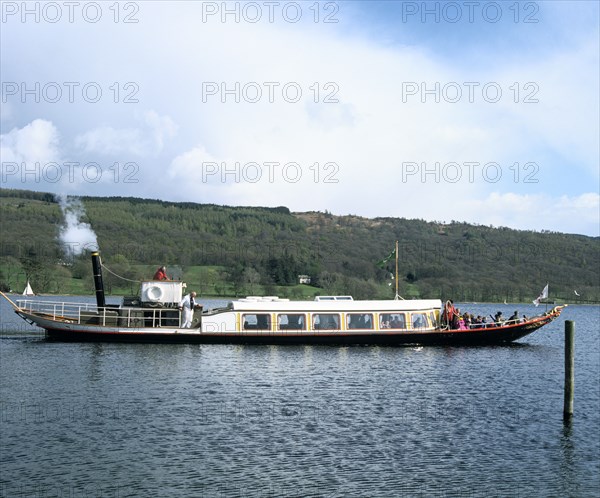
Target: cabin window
261,321
359,321
325,321
291,321
392,321
419,320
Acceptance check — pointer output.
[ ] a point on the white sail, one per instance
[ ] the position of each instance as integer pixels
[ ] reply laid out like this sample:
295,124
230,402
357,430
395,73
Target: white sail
28,290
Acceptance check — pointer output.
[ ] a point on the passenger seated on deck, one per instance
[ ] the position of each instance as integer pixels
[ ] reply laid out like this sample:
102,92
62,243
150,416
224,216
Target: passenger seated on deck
498,319
418,321
295,322
262,322
397,323
392,321
324,322
514,317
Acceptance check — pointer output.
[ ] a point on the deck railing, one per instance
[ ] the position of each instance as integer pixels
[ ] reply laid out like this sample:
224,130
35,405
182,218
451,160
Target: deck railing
86,313
57,309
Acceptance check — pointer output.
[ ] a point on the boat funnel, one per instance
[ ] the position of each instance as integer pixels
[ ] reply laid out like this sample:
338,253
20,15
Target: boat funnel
98,284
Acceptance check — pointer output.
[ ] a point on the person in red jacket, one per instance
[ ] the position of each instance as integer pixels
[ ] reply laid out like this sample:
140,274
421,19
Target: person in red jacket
161,274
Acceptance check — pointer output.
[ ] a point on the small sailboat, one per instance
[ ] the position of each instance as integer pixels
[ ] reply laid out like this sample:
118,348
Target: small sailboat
28,290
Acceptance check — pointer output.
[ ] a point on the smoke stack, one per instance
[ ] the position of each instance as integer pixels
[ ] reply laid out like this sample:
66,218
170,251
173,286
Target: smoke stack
98,284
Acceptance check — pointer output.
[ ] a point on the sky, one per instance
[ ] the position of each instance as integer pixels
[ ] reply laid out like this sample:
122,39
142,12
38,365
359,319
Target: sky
484,112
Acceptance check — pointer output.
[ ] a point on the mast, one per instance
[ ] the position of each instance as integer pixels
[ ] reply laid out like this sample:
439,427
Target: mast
396,251
398,296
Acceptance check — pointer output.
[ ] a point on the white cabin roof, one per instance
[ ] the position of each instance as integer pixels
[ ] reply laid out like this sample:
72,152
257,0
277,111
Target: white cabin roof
274,304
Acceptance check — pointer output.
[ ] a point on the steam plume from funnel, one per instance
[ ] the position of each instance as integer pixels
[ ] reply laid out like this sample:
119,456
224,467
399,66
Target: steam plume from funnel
75,236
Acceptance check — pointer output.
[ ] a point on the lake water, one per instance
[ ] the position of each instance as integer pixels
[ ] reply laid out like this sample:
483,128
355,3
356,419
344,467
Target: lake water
123,420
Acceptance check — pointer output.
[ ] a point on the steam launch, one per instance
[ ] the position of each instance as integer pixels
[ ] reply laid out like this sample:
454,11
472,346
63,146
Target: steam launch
162,314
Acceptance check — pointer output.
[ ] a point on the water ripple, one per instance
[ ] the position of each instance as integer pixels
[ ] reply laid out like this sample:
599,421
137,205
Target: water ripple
158,420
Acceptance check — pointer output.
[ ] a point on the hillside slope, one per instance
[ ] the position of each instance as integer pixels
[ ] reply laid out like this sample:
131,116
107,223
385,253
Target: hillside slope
271,246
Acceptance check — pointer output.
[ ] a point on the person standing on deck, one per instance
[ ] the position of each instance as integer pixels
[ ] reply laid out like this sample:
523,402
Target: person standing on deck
187,305
455,321
448,314
161,274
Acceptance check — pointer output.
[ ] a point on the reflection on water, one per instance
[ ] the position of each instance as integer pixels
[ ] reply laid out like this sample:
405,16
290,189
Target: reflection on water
216,420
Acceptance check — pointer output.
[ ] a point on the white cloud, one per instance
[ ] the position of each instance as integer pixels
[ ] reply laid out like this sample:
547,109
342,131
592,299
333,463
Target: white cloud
564,117
108,140
36,142
368,134
189,165
571,214
6,112
374,130
146,139
162,127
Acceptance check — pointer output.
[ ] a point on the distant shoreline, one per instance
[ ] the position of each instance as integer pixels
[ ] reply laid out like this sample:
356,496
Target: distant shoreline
558,302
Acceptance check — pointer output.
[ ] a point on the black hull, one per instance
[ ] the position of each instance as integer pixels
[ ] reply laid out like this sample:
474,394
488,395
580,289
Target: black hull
475,337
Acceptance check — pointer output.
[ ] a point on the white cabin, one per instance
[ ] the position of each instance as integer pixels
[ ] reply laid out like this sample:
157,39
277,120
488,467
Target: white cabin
272,314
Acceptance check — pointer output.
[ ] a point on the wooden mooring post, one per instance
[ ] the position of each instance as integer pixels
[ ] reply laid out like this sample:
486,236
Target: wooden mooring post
569,369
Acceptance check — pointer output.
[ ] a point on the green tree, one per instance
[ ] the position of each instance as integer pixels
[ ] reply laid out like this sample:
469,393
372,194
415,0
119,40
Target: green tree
60,280
251,278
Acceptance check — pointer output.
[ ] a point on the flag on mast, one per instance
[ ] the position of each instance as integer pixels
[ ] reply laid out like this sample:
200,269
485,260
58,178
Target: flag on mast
543,295
381,264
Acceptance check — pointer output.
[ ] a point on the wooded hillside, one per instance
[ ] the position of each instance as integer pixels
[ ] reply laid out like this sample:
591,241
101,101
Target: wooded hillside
234,250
